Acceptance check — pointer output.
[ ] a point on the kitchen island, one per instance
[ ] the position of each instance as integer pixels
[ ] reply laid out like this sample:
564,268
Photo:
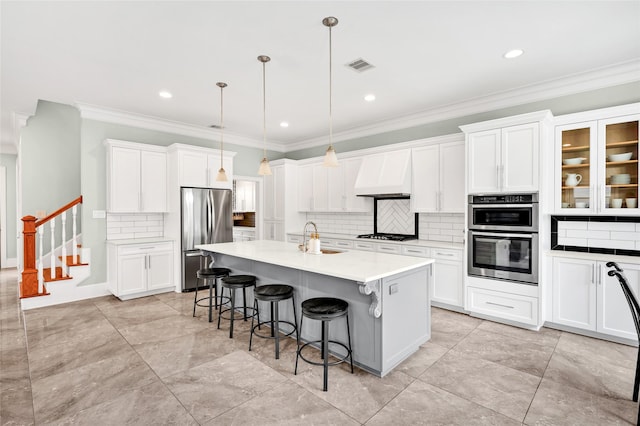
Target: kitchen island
388,295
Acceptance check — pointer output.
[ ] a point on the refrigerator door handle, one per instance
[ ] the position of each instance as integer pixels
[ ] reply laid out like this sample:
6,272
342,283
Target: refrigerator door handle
194,254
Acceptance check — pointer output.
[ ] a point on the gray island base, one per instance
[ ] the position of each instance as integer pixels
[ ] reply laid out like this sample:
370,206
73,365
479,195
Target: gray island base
388,295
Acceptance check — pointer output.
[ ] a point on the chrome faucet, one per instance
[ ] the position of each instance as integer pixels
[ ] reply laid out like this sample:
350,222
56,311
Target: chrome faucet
304,235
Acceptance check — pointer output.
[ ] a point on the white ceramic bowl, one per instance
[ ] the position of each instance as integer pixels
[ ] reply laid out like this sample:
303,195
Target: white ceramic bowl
581,205
573,161
620,157
621,178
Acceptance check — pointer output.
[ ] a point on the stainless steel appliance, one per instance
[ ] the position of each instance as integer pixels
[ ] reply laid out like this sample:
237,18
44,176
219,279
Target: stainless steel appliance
206,219
503,237
388,237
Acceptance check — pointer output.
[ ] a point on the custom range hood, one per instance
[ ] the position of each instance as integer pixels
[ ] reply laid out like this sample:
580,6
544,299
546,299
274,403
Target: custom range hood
386,174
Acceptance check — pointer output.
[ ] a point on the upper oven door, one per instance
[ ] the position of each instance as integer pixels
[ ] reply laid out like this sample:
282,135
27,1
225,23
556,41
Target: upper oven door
504,217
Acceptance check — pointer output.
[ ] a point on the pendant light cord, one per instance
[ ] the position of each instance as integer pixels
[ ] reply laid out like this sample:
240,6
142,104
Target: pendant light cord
330,93
264,111
221,128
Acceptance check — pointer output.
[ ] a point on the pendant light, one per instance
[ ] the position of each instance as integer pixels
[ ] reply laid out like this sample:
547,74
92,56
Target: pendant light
330,159
222,175
264,169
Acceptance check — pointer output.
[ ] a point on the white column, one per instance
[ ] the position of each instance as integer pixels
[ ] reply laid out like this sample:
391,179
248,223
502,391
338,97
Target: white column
74,241
40,265
53,248
65,267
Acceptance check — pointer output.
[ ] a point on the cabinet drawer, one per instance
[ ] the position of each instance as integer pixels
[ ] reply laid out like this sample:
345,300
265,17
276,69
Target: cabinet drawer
446,254
388,248
327,242
344,244
364,246
513,307
416,251
145,248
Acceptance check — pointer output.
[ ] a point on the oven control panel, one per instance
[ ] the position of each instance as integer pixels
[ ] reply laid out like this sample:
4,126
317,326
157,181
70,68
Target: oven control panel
504,199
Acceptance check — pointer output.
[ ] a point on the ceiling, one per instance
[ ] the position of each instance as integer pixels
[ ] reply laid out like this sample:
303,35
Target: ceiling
426,55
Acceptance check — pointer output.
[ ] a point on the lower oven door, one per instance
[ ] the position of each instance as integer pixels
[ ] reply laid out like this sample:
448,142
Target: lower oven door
502,255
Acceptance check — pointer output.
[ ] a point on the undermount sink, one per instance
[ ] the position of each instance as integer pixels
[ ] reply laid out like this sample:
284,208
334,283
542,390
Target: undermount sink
324,251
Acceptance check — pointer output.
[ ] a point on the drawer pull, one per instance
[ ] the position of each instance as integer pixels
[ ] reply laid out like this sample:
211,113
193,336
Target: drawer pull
145,248
413,251
498,304
445,254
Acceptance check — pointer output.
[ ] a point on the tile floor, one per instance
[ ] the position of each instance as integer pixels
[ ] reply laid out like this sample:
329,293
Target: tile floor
147,361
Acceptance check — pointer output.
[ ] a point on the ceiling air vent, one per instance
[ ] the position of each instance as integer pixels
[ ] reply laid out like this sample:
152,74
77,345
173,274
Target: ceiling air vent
359,65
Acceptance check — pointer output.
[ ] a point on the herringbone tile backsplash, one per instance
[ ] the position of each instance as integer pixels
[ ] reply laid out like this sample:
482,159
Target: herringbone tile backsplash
395,217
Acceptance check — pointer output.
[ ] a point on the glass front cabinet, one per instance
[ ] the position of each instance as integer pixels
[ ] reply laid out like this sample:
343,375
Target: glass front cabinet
597,167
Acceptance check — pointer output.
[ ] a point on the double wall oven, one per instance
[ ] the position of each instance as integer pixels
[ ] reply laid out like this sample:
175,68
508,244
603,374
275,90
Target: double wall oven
503,237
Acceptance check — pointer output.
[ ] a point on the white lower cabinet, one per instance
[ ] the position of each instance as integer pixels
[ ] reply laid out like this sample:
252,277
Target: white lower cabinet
447,282
137,270
503,305
586,297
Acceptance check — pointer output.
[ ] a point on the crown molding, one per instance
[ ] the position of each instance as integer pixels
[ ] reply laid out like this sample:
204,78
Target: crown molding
613,75
19,120
94,112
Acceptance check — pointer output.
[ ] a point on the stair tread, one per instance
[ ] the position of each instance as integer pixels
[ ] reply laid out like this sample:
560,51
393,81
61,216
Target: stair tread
70,261
58,275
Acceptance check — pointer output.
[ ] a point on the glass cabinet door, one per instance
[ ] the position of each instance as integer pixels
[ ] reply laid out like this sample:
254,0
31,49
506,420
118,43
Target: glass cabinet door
577,169
618,165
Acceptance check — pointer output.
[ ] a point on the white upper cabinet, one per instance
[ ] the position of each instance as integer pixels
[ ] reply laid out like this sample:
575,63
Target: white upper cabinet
244,196
136,177
504,154
596,162
330,189
438,178
199,168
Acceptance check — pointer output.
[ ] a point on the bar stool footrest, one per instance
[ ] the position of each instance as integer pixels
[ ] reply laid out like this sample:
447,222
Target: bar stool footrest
197,302
268,323
239,310
340,360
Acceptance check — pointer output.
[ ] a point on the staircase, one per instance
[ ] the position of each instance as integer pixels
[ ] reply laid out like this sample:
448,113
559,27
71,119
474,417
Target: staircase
57,277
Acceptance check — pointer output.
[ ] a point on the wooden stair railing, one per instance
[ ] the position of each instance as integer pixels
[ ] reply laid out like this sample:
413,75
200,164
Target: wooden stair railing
33,278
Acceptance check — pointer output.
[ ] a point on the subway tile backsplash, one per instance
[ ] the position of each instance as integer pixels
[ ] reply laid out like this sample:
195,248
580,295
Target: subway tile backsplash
601,234
134,225
445,227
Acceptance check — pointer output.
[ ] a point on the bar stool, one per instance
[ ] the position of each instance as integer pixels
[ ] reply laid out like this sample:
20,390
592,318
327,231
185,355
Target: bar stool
233,283
210,276
273,293
325,309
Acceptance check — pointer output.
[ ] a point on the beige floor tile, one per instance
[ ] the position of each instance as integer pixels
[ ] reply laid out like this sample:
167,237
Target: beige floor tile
286,404
211,389
264,350
508,351
123,314
424,404
596,349
151,405
559,404
162,329
68,392
82,328
499,388
449,328
424,358
359,395
48,360
545,336
16,405
168,357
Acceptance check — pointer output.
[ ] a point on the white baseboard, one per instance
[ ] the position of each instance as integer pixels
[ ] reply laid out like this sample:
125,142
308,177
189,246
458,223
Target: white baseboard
10,263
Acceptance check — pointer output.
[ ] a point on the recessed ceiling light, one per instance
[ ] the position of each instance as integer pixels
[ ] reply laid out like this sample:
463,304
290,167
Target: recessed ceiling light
284,124
165,94
370,98
513,53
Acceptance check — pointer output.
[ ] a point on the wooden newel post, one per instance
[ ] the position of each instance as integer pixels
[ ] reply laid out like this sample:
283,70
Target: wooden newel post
29,285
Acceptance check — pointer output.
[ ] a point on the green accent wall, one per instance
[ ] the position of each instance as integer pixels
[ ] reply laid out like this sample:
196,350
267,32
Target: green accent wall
94,174
9,162
595,99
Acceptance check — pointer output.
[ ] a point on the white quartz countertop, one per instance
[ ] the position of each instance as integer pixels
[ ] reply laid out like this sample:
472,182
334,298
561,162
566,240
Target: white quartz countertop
354,265
594,256
139,241
422,243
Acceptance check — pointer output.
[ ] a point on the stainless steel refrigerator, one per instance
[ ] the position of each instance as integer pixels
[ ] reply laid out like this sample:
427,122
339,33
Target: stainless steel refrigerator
206,219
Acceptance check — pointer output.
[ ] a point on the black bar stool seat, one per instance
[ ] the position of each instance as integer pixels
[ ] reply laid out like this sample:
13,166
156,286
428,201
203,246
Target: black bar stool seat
273,293
233,283
211,276
325,309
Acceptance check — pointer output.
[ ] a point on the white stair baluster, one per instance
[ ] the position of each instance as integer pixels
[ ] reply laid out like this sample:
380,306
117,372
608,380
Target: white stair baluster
74,241
53,248
40,265
65,267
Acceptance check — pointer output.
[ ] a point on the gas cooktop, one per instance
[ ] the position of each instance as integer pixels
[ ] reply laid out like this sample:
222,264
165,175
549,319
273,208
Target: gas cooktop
388,237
